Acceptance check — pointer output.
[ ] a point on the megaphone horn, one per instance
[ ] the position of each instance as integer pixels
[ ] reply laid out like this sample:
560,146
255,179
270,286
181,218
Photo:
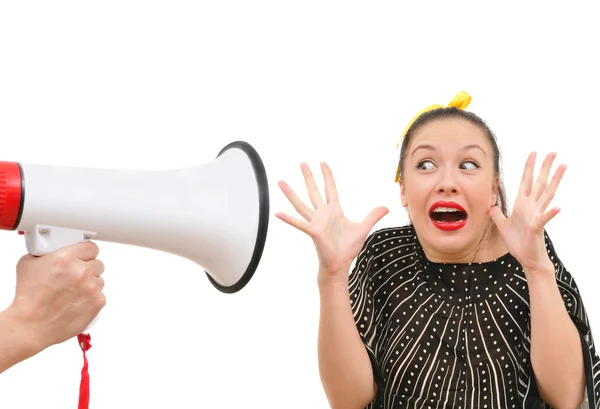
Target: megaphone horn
215,214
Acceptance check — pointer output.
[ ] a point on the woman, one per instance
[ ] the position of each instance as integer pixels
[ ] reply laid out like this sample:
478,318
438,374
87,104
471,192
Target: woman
465,307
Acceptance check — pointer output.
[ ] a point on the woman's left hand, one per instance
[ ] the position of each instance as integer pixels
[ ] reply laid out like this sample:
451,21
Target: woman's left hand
523,230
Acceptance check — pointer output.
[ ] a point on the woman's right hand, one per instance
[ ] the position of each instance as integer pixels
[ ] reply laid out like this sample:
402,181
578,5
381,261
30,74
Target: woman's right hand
337,240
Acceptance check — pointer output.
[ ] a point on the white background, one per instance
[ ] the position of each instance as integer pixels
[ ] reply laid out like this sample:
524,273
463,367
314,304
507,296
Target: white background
157,85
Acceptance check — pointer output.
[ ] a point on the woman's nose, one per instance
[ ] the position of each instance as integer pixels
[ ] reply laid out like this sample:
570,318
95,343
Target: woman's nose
447,188
447,184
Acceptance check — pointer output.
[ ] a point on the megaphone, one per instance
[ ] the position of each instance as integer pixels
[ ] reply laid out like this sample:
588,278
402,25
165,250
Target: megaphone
215,215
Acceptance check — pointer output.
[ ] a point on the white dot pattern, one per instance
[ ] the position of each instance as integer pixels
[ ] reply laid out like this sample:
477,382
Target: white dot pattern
444,335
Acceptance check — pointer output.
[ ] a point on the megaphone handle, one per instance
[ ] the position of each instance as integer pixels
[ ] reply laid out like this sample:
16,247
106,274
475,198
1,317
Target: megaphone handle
44,239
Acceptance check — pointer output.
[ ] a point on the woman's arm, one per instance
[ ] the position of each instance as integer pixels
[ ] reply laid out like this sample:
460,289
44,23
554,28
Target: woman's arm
556,351
344,364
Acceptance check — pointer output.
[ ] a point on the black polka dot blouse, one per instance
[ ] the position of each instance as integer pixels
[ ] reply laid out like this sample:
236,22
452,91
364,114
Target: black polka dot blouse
455,336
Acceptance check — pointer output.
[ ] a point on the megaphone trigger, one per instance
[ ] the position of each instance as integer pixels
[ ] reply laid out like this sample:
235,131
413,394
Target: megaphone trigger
44,239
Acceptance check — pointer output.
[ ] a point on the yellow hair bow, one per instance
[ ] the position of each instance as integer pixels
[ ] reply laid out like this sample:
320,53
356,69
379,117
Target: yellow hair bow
460,101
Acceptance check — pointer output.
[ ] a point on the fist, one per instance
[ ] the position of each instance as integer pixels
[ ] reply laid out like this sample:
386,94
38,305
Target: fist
58,295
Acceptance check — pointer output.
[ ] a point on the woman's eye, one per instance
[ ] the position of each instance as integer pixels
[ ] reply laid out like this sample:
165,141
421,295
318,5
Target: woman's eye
425,165
469,165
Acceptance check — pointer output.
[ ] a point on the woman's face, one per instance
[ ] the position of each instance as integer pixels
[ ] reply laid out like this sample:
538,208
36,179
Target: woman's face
448,185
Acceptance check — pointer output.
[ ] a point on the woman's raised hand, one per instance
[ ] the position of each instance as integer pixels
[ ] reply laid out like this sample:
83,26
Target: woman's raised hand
337,240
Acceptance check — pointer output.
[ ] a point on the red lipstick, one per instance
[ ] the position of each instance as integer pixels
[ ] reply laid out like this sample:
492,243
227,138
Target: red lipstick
448,225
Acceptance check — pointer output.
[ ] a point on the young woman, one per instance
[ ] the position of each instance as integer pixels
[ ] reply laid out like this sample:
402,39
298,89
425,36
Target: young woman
467,306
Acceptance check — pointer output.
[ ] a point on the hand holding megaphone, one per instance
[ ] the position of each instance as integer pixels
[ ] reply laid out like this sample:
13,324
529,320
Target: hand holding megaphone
57,295
75,261
215,215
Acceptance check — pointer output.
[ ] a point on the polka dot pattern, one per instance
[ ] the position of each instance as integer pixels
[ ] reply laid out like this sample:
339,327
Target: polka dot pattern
445,335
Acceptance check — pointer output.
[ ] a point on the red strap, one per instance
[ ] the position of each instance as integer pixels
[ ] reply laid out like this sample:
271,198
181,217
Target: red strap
84,387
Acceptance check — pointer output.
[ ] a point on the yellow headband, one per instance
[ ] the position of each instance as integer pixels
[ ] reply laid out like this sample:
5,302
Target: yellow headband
460,101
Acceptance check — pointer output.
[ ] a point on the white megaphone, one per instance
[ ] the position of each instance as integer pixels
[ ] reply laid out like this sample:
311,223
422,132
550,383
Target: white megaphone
215,214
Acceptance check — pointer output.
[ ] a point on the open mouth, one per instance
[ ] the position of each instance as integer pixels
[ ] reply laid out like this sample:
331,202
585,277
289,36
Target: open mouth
448,215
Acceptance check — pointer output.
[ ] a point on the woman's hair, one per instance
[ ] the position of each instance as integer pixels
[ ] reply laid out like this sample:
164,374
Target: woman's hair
452,112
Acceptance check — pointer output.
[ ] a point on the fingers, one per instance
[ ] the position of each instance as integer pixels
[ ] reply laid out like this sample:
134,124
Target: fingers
313,190
550,191
542,180
298,204
92,286
100,301
549,215
497,216
374,216
292,221
100,283
527,179
86,251
87,270
330,188
95,267
91,272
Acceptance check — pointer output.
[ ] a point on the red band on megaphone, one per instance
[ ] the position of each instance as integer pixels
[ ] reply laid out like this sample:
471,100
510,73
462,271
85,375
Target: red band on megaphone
11,195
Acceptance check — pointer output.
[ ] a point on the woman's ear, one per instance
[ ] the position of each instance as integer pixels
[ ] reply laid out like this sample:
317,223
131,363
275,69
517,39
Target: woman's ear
403,194
495,189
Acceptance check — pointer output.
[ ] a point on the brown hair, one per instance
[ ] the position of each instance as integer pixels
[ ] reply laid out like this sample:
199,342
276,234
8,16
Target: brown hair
452,112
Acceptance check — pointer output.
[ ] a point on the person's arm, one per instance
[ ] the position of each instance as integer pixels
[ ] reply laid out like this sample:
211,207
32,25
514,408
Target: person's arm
344,364
17,343
556,351
347,373
56,298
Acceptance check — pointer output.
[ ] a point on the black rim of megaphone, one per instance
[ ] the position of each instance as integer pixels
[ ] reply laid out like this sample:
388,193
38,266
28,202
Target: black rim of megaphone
263,218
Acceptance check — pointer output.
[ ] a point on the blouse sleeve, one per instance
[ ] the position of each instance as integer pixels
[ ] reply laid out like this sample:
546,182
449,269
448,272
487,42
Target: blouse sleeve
576,309
361,299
